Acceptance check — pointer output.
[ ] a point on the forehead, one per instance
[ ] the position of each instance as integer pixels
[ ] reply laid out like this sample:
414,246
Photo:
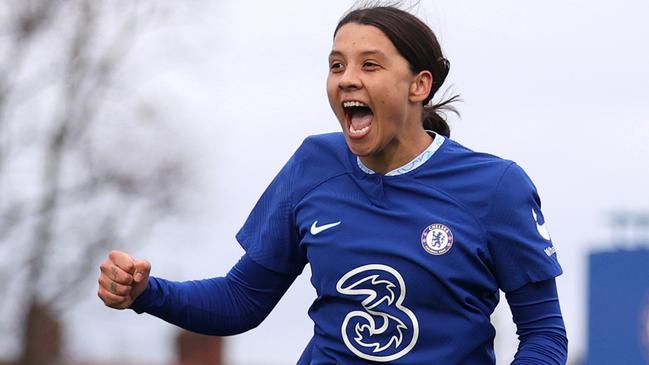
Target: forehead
354,38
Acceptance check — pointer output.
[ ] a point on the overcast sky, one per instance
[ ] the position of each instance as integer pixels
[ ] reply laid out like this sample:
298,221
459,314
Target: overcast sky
558,86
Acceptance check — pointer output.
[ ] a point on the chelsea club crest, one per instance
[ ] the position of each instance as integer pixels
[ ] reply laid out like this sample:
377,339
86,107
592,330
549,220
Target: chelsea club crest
437,239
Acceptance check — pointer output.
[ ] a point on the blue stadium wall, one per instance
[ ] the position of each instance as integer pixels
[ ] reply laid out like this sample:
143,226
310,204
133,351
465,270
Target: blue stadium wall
618,308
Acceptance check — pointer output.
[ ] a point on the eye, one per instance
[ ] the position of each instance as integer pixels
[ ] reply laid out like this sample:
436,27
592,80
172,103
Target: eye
369,65
336,66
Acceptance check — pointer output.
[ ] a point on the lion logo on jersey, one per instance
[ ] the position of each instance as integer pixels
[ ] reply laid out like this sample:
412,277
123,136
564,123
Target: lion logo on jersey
437,239
382,329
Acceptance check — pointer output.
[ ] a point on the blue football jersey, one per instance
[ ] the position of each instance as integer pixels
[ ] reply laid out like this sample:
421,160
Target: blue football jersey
406,266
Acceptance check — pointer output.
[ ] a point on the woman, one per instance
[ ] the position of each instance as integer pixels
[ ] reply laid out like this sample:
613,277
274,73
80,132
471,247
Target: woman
409,235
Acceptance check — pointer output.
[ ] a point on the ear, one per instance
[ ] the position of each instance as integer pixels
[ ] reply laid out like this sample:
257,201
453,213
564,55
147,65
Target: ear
420,87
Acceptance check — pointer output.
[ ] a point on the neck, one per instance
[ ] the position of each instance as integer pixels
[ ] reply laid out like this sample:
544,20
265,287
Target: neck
398,152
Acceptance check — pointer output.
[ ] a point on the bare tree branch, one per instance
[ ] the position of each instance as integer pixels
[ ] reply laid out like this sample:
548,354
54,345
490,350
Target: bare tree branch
118,200
52,163
31,17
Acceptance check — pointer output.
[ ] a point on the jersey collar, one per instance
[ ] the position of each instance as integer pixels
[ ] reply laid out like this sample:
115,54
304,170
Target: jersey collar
416,162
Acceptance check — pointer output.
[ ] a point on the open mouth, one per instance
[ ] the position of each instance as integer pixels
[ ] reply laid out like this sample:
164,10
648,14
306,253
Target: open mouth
359,117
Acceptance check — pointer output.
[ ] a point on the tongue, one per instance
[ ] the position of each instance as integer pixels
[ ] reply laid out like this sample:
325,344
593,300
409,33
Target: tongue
361,119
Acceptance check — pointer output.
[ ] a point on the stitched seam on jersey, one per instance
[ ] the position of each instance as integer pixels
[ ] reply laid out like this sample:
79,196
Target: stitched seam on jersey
315,187
496,189
298,201
491,204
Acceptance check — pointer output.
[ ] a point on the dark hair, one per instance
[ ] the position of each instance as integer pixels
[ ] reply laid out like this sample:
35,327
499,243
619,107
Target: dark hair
417,43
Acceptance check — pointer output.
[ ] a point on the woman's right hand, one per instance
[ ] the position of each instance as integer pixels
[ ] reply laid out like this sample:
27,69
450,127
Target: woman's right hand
122,279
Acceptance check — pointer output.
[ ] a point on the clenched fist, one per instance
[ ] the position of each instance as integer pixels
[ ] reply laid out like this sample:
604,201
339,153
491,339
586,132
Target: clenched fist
122,279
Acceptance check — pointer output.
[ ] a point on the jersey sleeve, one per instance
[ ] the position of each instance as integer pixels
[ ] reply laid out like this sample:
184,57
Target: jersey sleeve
269,236
518,238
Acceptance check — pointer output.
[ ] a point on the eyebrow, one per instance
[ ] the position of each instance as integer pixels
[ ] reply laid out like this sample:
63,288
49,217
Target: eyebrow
370,52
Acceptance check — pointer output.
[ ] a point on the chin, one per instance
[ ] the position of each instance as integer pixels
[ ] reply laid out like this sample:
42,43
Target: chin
359,148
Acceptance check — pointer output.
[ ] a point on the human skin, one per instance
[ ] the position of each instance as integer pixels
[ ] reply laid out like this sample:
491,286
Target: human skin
122,279
365,66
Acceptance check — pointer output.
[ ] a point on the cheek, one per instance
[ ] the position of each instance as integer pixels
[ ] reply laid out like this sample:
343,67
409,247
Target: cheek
331,92
392,104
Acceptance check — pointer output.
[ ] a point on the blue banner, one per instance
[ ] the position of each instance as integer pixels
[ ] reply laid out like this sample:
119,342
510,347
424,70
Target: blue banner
618,308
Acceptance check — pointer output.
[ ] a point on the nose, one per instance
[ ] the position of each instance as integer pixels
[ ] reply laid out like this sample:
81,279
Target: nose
349,80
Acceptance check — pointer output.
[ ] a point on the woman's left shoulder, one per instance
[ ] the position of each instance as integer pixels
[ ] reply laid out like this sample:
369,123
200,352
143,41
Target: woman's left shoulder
485,175
483,164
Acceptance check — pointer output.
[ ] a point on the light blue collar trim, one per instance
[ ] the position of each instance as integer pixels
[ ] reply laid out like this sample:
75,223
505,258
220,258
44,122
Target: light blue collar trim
416,162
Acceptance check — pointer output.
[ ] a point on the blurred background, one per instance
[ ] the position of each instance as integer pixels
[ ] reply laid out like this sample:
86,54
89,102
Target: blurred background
153,127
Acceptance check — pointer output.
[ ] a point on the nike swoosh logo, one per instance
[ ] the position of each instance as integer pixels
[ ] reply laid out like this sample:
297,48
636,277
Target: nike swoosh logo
541,228
315,229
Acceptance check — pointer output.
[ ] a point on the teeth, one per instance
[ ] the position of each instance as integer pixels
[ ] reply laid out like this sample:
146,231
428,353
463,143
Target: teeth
359,132
348,104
